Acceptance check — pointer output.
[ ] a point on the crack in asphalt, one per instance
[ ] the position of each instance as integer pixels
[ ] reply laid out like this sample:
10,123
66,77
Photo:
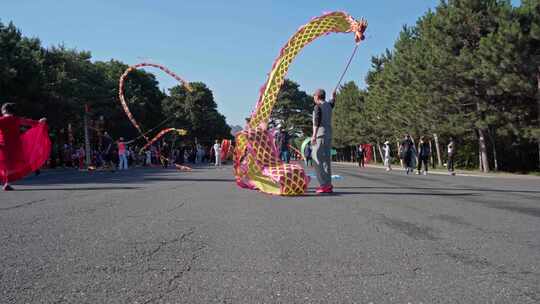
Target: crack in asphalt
469,259
178,206
22,205
171,281
162,244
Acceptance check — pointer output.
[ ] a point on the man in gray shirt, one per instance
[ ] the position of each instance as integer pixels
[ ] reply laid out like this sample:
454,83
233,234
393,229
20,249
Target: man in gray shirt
321,140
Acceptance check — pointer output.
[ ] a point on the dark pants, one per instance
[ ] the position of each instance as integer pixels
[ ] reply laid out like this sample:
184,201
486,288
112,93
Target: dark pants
285,156
408,160
361,160
425,160
450,163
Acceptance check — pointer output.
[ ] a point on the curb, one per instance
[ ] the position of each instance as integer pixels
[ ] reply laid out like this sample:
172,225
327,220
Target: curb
458,173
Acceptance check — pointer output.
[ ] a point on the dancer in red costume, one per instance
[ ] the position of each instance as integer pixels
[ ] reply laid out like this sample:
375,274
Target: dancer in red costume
21,153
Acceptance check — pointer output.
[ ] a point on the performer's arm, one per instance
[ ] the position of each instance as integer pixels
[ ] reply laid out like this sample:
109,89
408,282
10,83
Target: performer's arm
3,122
28,122
316,124
333,101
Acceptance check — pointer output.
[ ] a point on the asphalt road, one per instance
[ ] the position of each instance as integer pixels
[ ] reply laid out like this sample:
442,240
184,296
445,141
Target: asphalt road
162,236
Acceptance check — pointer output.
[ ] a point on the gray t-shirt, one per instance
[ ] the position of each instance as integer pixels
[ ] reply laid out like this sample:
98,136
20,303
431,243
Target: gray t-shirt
322,118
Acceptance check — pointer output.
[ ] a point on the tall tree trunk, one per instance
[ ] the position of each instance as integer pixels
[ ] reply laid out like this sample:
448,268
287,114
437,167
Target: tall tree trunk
495,161
482,151
374,154
438,148
494,149
538,105
88,157
380,151
398,154
480,164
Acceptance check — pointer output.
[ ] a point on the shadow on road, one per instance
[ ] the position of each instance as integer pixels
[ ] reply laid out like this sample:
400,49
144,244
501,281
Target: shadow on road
338,193
133,176
190,179
80,189
446,189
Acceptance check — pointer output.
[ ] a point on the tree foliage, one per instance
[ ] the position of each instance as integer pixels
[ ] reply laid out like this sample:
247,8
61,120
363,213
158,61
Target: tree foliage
197,112
347,109
58,82
470,70
293,108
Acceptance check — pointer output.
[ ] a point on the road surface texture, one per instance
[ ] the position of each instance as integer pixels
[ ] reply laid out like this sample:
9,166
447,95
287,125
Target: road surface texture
163,236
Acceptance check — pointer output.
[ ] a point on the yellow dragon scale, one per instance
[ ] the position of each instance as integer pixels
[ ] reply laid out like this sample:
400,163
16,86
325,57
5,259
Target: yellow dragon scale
334,22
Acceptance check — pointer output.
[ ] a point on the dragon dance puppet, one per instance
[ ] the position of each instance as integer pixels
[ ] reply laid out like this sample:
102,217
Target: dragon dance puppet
256,160
121,89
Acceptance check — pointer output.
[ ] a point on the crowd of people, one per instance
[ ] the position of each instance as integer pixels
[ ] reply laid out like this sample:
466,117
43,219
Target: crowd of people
411,157
121,155
25,147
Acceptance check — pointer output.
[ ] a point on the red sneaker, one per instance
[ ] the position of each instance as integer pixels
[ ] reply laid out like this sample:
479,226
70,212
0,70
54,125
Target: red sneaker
325,189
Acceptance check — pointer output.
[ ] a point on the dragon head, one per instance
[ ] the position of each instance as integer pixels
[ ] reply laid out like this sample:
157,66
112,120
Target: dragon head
358,27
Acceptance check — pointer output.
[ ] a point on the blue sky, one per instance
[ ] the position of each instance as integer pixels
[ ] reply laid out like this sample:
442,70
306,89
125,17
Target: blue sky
229,45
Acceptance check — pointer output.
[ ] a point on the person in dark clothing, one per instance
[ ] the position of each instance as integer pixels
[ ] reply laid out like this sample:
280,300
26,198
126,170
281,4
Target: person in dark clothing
165,154
284,151
307,153
179,159
107,148
67,156
406,153
360,156
423,155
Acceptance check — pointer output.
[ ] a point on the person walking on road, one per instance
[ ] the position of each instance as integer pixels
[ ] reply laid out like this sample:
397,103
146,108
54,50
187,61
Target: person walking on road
122,154
387,160
423,155
451,153
199,154
147,158
81,154
217,153
107,143
307,153
322,140
165,155
360,156
285,154
406,153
